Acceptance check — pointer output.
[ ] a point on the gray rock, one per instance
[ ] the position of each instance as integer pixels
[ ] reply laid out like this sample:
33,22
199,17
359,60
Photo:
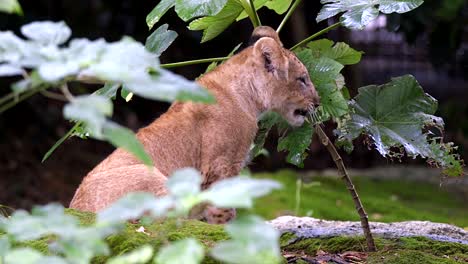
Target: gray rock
307,227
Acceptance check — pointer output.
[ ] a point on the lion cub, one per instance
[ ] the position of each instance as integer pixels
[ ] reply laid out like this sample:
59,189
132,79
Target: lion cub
215,139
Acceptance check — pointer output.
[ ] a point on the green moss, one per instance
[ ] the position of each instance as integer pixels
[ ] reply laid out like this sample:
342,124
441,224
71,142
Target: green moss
86,218
394,251
162,232
408,256
384,200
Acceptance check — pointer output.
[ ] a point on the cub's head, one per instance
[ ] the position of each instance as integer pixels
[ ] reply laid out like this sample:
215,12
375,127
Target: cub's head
285,79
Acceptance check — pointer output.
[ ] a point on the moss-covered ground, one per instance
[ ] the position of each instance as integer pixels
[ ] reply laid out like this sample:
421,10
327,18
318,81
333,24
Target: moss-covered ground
324,198
384,200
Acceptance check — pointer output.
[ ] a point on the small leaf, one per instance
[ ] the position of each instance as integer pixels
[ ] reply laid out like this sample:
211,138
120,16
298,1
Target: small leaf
124,138
189,9
10,6
23,256
46,32
253,241
160,40
90,109
212,26
186,251
184,182
45,220
10,70
5,246
238,192
265,124
167,86
140,255
296,143
133,206
55,71
158,11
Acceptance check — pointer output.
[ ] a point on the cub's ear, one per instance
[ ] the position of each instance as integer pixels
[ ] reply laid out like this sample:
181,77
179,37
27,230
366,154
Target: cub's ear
273,58
264,31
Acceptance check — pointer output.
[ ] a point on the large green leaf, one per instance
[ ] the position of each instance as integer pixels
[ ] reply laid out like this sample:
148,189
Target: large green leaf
359,13
396,116
297,142
324,72
158,11
10,6
160,40
189,9
340,52
212,26
279,6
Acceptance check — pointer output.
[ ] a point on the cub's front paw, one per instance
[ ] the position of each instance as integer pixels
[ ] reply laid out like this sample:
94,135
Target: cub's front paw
213,215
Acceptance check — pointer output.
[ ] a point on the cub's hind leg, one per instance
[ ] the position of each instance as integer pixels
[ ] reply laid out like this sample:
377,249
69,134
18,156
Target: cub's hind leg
101,189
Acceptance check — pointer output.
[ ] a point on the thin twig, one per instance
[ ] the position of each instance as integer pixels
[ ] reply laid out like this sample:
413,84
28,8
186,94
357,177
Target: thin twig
321,32
55,96
192,62
66,92
288,15
350,186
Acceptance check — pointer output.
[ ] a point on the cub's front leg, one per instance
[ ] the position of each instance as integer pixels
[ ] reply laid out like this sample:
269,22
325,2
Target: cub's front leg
221,168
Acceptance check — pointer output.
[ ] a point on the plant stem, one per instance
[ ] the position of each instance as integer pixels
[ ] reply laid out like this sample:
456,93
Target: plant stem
256,21
288,15
249,8
349,184
61,140
21,98
298,196
321,32
192,62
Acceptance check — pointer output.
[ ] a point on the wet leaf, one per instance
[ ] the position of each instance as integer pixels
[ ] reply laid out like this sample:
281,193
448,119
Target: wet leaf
359,13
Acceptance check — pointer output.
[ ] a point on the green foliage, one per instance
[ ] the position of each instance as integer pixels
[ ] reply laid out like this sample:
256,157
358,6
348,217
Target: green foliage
324,61
10,6
297,142
186,10
212,26
139,256
186,251
396,117
262,245
125,62
79,244
359,13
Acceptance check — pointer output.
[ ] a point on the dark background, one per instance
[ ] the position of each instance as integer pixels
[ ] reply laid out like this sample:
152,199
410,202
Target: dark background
431,43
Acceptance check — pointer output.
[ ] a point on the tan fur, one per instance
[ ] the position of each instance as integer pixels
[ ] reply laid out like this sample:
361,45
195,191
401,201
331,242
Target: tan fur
215,139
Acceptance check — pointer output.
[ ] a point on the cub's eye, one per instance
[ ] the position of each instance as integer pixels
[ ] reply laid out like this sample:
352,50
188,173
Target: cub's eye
302,80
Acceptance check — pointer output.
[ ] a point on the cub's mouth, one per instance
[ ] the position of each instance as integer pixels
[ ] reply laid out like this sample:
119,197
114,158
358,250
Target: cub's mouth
300,112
